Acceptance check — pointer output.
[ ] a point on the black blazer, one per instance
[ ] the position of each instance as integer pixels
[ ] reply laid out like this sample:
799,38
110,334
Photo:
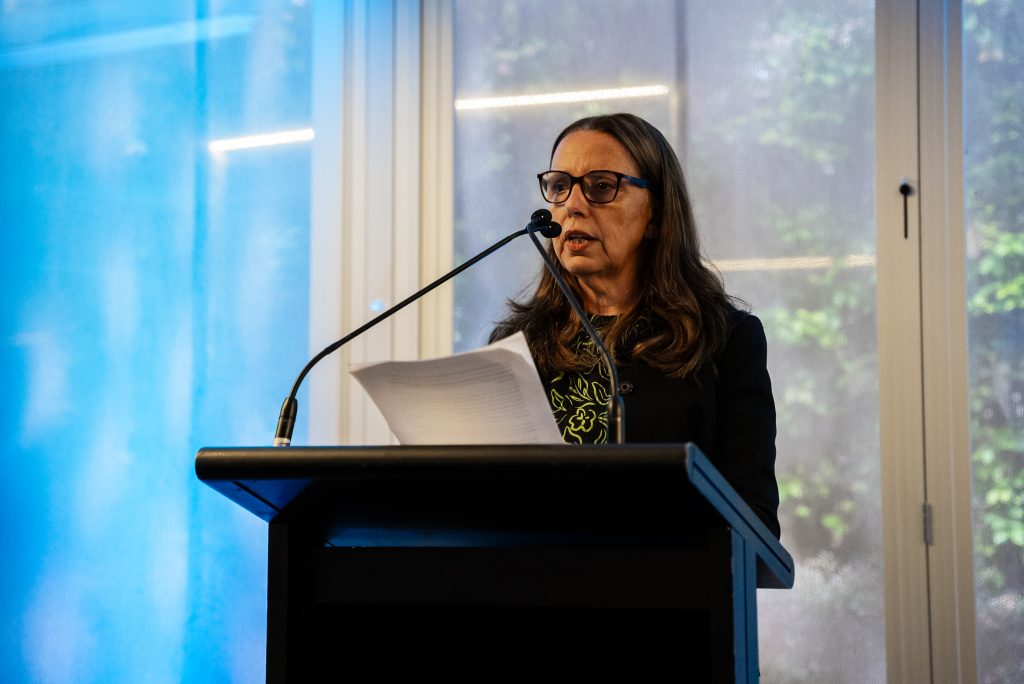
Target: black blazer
730,415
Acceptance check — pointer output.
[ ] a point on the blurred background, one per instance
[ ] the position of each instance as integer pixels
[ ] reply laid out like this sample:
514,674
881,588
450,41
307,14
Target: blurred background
158,291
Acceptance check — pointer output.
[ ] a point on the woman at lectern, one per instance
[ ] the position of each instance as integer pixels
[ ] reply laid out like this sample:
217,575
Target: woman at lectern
691,364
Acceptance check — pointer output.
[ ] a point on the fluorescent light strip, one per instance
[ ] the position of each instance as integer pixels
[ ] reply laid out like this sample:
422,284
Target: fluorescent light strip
561,98
247,142
794,263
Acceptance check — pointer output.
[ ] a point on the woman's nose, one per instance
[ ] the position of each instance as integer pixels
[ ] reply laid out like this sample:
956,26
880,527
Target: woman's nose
576,202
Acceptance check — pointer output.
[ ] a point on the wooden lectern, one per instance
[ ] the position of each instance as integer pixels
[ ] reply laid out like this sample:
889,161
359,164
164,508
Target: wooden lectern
504,563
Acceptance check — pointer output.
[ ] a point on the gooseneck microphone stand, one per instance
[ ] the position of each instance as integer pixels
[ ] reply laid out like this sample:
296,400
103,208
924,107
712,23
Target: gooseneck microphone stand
539,221
616,407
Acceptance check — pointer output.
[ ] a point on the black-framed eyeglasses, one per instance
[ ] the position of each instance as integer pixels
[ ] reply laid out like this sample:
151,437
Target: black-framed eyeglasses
600,187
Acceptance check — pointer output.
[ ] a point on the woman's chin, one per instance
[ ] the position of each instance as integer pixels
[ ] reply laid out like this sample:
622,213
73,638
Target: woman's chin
582,271
579,264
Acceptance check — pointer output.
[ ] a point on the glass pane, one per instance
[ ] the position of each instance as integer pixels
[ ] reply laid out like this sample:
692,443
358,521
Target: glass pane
993,44
151,289
770,106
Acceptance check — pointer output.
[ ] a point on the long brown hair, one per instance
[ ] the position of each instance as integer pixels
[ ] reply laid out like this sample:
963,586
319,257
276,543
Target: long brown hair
679,322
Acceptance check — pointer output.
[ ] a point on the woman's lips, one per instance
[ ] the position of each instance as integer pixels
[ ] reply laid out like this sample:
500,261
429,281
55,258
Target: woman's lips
577,241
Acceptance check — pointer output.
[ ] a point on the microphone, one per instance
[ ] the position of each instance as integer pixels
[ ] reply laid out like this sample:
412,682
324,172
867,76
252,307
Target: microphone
616,407
540,221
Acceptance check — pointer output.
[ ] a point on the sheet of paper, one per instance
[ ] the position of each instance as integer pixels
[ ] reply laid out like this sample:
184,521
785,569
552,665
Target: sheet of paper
490,395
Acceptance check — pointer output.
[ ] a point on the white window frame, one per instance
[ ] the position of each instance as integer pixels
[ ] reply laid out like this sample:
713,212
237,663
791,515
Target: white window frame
922,335
366,208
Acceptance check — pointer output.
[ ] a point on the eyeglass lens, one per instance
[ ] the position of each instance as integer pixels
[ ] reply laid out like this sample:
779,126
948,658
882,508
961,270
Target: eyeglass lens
599,187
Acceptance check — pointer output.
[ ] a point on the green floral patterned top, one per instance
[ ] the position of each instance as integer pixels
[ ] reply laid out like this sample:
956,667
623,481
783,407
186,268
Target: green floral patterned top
579,400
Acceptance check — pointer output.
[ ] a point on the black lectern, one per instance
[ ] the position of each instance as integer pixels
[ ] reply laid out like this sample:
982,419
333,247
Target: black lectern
502,563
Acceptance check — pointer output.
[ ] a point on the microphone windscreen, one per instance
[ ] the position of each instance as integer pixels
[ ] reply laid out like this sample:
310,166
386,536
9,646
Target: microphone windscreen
540,218
551,230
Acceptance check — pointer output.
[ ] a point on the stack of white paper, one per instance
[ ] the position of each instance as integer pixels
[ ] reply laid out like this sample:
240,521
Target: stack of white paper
491,395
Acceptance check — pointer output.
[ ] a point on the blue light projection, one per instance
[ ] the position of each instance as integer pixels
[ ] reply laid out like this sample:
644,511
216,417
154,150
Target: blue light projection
155,301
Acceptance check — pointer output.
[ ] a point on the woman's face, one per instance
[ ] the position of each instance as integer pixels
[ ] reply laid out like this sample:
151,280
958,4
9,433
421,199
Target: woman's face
601,243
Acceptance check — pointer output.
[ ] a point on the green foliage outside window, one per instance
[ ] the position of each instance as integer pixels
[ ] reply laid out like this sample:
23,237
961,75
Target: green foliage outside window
994,171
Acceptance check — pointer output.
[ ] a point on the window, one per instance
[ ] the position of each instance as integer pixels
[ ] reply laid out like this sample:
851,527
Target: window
993,156
771,110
